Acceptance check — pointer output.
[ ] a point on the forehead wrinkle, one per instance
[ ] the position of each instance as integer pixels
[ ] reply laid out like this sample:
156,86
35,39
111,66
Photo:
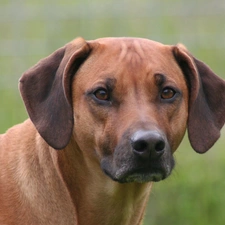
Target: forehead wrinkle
131,51
139,49
123,52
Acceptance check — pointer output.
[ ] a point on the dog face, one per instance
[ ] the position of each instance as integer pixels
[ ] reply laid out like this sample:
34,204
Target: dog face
126,103
132,109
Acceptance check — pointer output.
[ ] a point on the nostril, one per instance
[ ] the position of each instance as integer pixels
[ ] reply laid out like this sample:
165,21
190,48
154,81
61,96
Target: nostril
160,146
140,145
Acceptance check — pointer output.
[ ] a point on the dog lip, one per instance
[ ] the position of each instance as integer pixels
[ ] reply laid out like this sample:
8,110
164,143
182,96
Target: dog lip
143,175
151,171
139,175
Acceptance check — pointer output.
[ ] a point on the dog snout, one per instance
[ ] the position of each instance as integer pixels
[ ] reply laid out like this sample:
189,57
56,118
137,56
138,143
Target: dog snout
146,144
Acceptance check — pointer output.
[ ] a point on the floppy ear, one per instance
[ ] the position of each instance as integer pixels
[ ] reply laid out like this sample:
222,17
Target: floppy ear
46,91
206,100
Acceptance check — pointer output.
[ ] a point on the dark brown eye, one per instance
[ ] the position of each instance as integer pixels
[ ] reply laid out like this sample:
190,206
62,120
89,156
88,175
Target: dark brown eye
167,93
102,94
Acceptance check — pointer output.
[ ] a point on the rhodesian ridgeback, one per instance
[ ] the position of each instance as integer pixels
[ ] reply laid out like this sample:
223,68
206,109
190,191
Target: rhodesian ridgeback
106,117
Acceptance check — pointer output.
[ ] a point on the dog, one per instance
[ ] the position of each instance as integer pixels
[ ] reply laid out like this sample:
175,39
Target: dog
105,117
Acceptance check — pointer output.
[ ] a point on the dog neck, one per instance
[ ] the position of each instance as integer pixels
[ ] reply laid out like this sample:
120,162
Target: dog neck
96,198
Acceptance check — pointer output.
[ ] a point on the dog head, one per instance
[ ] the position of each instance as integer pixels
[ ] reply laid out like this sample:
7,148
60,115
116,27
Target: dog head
126,102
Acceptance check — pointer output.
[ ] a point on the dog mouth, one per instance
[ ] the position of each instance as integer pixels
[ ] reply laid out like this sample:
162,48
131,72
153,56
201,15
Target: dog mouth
140,175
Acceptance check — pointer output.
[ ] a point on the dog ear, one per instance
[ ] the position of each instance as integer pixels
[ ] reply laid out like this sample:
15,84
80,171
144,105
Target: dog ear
46,92
206,100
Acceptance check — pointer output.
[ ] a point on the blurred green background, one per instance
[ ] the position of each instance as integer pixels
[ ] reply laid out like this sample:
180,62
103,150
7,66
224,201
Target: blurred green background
32,29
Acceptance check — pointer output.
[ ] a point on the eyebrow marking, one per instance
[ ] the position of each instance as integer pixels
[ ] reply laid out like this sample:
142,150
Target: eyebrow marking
110,83
160,79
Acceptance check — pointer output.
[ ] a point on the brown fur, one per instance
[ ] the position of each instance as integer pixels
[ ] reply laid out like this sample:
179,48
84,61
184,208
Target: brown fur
96,178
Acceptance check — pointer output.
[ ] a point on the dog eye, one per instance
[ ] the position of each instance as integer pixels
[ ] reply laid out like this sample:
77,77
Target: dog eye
167,93
102,94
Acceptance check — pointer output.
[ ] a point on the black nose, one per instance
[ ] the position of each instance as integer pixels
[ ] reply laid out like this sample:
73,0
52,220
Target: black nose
147,144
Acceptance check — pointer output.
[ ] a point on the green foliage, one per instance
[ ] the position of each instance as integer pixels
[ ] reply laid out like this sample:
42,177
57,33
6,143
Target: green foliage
31,30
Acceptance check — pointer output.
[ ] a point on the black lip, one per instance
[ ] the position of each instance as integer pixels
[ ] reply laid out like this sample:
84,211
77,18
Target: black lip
145,172
148,172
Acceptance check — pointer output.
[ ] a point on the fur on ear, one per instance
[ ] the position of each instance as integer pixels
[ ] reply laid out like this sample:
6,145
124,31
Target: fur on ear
46,92
206,100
